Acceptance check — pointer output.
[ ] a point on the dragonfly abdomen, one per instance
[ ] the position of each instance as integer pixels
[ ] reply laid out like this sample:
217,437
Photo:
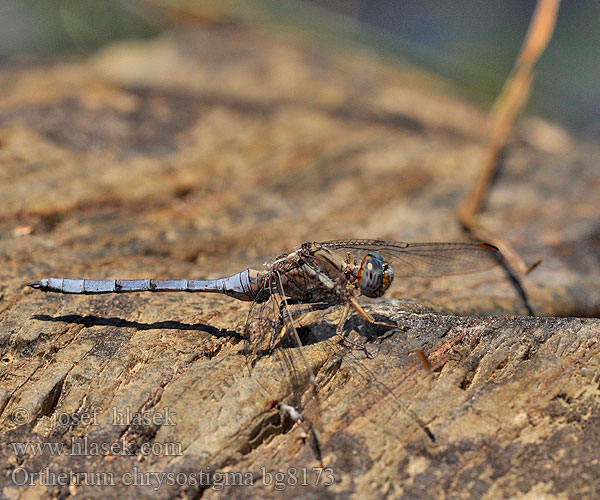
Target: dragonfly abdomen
86,286
243,286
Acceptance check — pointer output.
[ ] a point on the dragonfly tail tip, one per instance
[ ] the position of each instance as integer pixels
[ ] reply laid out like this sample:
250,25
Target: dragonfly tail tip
35,284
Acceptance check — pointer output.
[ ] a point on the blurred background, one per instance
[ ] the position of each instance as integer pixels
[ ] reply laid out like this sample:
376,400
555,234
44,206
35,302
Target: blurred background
472,43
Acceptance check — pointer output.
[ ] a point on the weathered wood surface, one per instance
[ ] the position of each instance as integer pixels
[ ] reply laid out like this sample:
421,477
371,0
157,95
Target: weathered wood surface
211,150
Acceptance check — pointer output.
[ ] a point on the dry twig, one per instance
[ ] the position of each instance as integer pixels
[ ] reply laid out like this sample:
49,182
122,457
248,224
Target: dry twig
508,105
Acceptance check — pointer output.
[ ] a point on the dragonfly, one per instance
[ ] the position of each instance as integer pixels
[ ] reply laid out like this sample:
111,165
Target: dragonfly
316,276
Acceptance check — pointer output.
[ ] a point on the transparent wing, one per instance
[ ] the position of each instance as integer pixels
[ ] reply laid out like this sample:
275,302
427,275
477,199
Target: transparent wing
361,383
262,324
271,332
423,259
265,322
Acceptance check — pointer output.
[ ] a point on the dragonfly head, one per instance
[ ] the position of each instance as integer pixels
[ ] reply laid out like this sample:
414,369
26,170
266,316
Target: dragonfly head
375,275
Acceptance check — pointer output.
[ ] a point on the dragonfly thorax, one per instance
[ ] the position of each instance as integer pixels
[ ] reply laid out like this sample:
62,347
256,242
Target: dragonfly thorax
375,275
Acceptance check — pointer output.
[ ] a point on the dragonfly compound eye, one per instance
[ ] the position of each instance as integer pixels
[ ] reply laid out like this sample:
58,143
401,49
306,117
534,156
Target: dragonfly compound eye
375,275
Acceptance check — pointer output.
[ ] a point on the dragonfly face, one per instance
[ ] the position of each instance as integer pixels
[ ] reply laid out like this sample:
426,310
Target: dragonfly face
375,275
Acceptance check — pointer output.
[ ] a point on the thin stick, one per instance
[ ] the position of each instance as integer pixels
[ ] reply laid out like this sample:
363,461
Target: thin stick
508,105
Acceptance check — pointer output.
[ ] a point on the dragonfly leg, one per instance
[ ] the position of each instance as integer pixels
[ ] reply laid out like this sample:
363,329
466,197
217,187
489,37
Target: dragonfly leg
359,309
422,356
340,330
340,326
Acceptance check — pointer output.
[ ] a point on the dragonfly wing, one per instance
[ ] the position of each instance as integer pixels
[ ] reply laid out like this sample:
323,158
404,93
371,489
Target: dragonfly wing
423,259
365,385
271,332
261,323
